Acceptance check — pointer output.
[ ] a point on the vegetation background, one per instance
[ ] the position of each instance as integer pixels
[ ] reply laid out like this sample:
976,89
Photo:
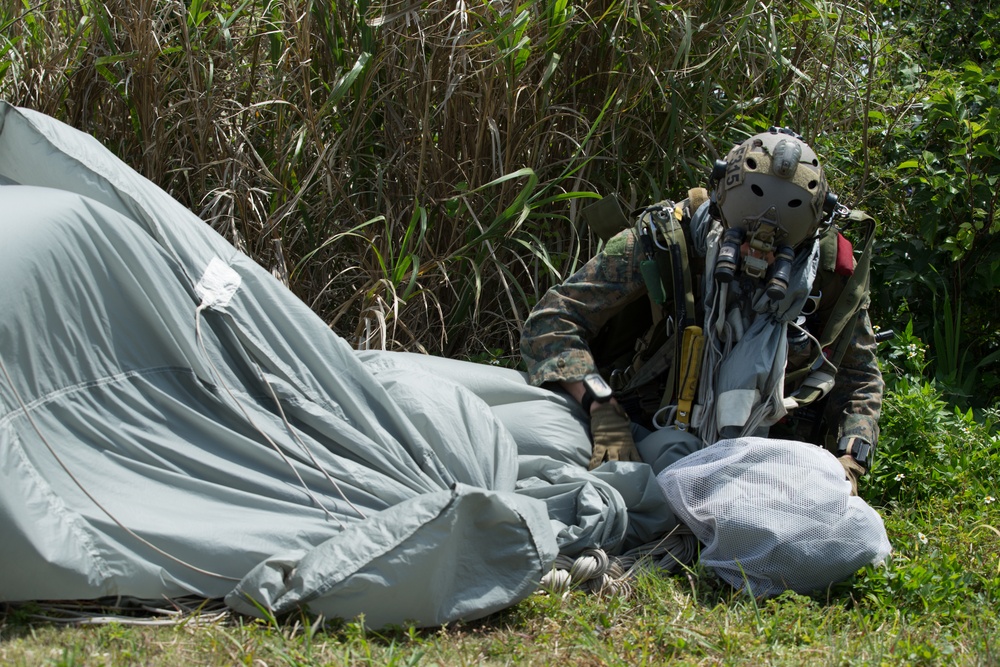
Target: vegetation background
416,171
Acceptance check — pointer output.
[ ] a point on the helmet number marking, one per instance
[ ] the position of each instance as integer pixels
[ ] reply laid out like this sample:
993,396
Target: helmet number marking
734,170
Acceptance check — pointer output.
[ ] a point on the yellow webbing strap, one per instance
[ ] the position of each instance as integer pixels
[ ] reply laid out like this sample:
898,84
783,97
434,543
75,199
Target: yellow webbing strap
692,345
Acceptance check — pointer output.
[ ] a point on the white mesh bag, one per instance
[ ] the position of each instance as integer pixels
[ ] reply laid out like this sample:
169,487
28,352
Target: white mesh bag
774,515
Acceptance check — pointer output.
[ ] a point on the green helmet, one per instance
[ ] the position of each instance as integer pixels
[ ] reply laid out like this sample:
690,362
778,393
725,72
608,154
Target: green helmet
772,179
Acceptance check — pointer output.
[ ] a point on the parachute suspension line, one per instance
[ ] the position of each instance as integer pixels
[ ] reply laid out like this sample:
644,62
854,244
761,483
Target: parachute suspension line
309,452
596,572
592,571
275,446
97,503
717,331
292,432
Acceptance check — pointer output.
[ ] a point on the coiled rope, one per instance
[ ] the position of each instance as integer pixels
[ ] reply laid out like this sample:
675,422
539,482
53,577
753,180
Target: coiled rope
595,572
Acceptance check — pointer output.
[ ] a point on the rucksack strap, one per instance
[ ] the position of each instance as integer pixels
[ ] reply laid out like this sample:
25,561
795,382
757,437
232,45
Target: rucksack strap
663,227
666,265
838,332
854,295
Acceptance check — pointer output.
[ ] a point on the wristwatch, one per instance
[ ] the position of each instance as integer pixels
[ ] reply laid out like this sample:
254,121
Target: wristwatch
595,389
859,449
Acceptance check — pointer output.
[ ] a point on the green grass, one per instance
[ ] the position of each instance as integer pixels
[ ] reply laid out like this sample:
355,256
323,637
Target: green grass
936,601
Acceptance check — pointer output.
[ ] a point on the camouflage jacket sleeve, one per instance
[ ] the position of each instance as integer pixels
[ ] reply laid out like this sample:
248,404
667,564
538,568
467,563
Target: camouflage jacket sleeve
855,402
555,339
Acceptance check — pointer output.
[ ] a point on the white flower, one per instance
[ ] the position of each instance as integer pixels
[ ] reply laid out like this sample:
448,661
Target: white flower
989,499
922,538
900,477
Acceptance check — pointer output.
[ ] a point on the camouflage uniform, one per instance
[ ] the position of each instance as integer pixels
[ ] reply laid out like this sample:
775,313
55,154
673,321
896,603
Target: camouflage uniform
556,339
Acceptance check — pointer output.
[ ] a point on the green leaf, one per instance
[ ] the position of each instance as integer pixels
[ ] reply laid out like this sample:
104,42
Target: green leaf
345,82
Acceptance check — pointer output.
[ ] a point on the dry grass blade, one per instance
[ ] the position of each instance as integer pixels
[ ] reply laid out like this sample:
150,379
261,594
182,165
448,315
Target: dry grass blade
287,124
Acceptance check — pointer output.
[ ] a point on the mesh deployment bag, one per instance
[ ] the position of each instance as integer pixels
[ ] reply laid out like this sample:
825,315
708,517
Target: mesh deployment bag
774,515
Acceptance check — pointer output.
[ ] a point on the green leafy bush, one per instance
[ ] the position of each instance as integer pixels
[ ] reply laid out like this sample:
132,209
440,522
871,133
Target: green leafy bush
928,447
935,480
940,165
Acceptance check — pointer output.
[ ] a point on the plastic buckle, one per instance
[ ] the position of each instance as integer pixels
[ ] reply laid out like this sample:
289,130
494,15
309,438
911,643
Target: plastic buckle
619,378
859,449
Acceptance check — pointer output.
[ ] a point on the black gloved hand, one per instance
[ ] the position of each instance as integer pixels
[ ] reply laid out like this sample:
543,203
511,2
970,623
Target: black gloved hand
611,431
853,470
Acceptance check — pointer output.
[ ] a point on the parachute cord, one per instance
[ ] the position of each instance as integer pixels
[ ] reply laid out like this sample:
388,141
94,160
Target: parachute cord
309,452
596,572
97,503
275,446
291,430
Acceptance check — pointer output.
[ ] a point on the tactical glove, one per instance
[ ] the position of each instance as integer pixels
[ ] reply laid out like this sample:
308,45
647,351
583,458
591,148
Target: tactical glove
611,432
853,470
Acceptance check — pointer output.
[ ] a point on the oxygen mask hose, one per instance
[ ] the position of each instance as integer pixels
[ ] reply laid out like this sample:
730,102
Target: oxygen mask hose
781,273
728,261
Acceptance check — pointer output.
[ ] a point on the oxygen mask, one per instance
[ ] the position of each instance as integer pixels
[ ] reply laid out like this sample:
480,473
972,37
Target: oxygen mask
764,259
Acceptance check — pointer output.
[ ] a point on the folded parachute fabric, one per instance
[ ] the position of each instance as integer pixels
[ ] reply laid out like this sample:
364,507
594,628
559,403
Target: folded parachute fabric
617,507
174,422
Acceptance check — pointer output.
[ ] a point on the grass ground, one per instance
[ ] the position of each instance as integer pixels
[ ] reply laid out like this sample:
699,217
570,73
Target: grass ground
936,602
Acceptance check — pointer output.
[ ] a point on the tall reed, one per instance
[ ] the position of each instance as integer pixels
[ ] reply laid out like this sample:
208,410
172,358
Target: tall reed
416,171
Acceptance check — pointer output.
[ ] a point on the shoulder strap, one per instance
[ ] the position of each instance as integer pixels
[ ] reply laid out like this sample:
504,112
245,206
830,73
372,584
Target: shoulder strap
839,328
667,263
663,230
854,294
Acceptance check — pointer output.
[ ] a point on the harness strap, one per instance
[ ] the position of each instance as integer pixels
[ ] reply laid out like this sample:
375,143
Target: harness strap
836,337
668,276
854,294
817,384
